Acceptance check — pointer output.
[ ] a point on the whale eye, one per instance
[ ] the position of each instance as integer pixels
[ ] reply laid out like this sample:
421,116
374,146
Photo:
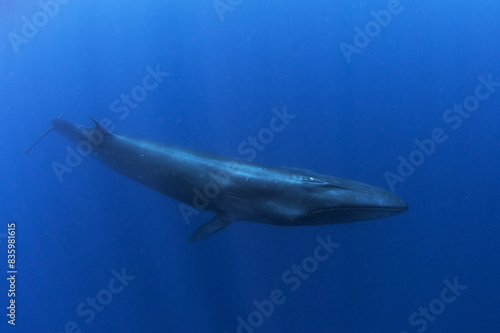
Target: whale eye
320,183
312,180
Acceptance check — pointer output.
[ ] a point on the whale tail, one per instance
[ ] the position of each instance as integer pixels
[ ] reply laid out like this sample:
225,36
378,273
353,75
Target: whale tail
44,134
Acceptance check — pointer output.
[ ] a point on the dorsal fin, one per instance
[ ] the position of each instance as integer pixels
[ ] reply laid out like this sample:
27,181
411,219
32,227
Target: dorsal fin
99,126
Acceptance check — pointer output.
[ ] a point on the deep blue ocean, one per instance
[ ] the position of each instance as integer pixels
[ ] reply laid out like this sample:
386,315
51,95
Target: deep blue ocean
403,95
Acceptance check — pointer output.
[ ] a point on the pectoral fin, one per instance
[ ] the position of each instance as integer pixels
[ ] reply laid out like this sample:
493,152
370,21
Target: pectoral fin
219,222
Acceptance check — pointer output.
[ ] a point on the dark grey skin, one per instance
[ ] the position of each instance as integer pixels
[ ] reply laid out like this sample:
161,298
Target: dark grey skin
234,190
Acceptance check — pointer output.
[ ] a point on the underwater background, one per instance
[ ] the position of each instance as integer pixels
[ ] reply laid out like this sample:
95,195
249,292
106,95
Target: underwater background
404,95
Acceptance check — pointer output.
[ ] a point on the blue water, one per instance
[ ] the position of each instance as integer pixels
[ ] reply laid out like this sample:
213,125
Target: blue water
360,100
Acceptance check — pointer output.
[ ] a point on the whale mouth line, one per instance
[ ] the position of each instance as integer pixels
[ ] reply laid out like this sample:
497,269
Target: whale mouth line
374,208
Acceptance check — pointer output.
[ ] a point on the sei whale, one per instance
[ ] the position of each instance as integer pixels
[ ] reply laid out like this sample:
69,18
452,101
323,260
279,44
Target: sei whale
243,191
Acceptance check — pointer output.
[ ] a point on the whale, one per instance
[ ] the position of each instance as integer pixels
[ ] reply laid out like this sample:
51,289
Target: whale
233,189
